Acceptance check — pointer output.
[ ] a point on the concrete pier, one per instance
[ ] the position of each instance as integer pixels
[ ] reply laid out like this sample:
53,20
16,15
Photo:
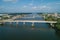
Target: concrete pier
10,22
17,22
52,24
23,23
32,23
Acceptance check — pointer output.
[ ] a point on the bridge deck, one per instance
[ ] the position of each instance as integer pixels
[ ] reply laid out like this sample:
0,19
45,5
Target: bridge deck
39,21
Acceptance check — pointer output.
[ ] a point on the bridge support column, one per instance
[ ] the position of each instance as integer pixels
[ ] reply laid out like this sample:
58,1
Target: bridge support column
24,23
33,24
3,22
10,22
52,24
16,22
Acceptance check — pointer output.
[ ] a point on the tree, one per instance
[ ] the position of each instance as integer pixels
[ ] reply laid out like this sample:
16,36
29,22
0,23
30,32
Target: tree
58,24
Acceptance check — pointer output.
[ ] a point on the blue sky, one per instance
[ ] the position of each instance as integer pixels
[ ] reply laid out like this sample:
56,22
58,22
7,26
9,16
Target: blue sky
12,6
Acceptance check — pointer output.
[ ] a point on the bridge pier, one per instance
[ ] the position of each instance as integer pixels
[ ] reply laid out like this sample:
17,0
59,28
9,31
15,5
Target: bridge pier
32,23
52,24
16,22
23,23
10,22
3,22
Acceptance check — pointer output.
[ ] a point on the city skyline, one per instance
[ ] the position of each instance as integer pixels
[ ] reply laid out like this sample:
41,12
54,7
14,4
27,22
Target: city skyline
17,6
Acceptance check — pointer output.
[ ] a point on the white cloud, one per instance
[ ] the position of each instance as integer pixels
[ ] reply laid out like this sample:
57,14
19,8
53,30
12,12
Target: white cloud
31,4
44,7
24,6
14,1
34,7
57,3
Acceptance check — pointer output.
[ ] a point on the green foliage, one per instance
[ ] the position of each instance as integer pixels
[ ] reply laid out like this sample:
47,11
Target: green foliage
58,20
5,17
58,23
50,18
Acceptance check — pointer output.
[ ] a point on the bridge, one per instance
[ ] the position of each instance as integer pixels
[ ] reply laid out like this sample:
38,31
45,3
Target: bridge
38,21
32,21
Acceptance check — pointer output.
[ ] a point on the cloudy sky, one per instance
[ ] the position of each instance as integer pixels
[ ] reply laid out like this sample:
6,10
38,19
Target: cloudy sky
13,6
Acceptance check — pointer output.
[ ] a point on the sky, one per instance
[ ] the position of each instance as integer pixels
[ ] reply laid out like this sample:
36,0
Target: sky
18,6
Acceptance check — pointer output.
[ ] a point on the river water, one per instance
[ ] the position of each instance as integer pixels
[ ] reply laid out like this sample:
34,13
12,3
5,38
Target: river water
40,31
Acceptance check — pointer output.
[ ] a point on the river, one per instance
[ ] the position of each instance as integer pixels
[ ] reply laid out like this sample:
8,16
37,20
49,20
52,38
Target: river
40,31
